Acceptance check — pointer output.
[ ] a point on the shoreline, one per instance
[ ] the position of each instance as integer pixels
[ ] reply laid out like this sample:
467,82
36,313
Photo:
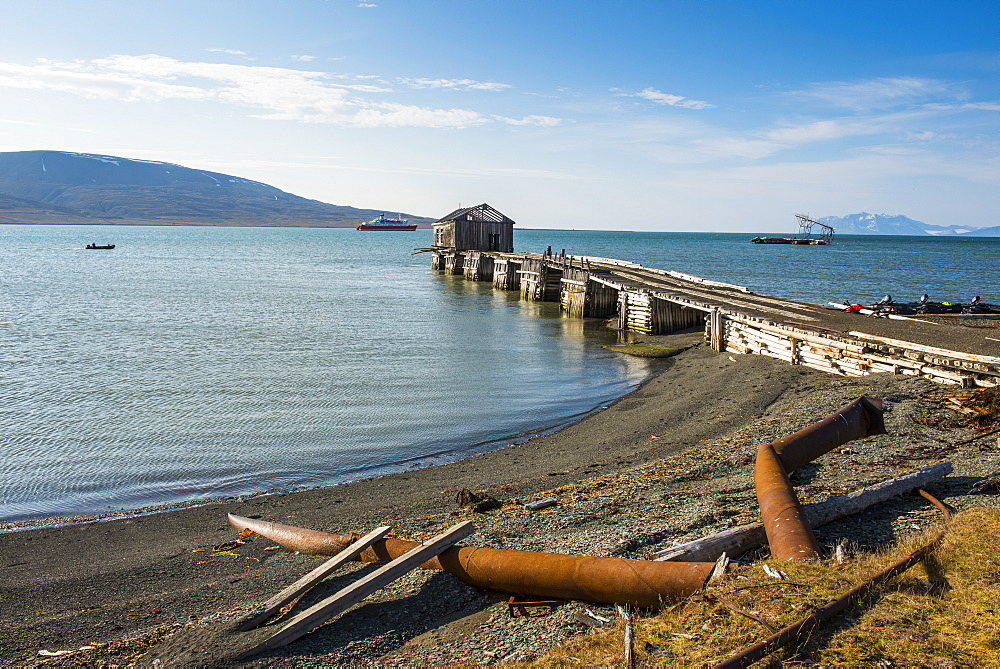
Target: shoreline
668,462
685,339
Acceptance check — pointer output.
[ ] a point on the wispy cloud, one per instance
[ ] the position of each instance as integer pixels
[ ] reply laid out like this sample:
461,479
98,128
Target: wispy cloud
234,52
668,99
456,84
278,93
367,4
980,106
304,58
881,93
534,119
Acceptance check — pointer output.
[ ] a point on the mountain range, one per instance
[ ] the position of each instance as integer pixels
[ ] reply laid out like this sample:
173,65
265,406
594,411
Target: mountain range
64,187
886,224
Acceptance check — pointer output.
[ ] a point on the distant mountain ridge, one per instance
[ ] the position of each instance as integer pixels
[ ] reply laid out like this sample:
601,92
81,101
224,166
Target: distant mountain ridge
41,187
885,224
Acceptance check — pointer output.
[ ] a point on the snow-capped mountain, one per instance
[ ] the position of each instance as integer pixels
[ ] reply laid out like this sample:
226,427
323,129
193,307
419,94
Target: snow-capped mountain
887,224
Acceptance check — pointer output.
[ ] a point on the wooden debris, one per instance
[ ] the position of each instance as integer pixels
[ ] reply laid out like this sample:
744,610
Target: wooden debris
542,504
774,573
516,607
629,636
987,484
273,605
476,503
351,595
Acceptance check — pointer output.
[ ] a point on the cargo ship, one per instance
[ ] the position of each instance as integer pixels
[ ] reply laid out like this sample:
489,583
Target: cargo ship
383,223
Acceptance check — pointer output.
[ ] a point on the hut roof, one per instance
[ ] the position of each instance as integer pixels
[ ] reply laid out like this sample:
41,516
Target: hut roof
481,212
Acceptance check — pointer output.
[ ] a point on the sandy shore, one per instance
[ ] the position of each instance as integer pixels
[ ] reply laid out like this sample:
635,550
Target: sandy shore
669,462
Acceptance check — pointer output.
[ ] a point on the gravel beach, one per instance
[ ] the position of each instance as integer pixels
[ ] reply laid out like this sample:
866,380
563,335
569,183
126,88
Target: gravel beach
670,462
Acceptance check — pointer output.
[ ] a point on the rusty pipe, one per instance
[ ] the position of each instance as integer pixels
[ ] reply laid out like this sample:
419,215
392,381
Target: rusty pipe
783,637
861,418
788,532
641,583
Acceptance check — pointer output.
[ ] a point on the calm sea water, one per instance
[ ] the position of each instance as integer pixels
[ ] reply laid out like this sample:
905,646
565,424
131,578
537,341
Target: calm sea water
195,362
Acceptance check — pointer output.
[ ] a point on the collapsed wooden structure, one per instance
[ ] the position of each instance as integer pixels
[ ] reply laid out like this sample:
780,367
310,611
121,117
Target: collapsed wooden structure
656,301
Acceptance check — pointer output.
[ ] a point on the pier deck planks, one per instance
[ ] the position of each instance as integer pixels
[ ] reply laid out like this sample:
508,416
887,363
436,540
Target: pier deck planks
656,301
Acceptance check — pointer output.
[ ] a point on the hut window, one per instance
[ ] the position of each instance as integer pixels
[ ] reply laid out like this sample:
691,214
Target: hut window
494,241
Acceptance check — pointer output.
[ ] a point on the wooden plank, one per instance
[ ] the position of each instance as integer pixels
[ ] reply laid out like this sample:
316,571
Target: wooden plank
354,593
798,334
274,604
954,355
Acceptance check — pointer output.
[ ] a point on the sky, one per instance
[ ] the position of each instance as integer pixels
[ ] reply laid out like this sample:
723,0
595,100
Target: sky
687,115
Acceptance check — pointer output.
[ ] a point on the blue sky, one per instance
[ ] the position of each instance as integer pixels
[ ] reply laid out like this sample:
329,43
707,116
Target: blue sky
689,115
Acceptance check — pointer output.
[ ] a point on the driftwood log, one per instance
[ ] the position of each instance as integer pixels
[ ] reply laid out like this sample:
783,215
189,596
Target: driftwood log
738,540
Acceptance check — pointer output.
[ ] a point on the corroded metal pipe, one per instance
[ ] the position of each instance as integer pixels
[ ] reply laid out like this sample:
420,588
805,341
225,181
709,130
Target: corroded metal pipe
802,628
861,418
642,583
788,532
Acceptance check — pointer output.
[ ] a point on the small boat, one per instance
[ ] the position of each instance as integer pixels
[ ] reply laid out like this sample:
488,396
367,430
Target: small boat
100,247
383,223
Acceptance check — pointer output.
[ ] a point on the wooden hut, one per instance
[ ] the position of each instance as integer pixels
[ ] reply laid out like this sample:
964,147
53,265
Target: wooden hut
479,228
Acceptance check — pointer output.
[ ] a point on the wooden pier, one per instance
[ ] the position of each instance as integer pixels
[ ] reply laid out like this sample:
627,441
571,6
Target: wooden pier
655,301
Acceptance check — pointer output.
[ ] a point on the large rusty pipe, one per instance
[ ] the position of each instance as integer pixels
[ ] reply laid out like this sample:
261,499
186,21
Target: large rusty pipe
861,418
788,532
642,583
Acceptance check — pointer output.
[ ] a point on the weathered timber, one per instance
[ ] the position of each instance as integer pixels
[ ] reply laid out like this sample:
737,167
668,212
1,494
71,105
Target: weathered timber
478,266
354,593
273,605
505,270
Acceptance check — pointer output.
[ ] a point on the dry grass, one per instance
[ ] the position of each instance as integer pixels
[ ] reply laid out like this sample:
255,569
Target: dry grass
945,611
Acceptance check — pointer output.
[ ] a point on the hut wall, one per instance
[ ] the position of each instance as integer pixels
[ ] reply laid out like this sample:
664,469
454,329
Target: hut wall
444,235
483,236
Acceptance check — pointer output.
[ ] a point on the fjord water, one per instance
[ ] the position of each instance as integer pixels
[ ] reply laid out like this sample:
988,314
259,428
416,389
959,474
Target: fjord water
194,362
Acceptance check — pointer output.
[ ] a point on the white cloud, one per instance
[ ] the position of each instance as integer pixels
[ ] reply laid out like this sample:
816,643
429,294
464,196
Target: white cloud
367,4
234,52
984,106
456,84
661,98
533,119
876,93
818,131
280,93
304,58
